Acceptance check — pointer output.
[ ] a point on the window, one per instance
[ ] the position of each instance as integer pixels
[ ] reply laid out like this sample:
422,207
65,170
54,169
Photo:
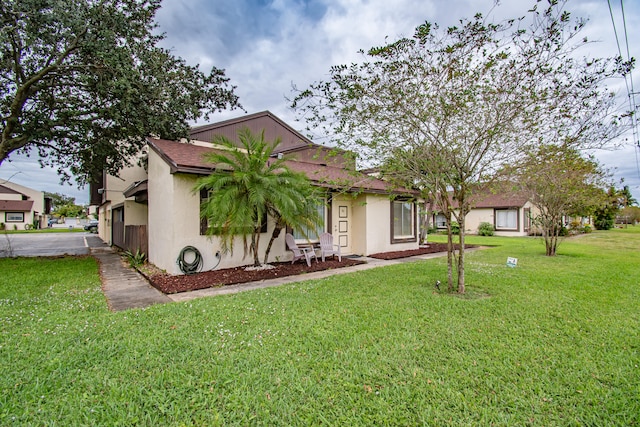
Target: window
312,233
402,221
506,219
441,221
14,217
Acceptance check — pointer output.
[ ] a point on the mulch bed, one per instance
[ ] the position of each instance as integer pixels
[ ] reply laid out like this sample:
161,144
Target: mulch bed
169,284
431,248
229,276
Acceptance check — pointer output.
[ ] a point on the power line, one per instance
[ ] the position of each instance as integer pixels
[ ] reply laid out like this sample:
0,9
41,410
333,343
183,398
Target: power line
631,94
630,90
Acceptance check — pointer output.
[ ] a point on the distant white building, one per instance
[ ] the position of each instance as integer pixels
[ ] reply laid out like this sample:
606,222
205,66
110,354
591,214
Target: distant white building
21,207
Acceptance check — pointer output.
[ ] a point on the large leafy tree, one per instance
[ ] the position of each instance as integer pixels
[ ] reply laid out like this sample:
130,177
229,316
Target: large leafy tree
462,102
559,182
613,202
248,184
65,206
82,82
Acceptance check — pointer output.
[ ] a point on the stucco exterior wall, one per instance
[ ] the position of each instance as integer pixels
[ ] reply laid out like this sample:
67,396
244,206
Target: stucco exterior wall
358,225
104,222
161,213
378,227
477,216
17,225
135,213
37,209
174,223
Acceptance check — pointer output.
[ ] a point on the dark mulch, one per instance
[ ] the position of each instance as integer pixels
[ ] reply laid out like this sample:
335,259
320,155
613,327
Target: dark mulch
229,276
431,248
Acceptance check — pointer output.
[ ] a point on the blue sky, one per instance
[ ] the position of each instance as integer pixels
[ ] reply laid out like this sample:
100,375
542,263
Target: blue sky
265,46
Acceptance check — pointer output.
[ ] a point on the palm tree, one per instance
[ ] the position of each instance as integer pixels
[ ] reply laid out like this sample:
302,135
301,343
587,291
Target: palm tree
248,184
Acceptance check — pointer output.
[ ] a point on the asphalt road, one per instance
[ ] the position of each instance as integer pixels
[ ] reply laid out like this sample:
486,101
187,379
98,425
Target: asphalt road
47,244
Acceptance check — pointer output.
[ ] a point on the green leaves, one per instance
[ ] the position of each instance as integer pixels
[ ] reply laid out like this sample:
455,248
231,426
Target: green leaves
250,182
84,82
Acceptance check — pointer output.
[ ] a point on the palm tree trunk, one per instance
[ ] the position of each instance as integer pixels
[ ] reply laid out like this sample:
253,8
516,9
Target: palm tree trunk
274,235
255,241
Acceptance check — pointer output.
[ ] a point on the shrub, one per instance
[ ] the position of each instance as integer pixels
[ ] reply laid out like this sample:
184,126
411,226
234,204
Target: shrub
2,226
135,260
605,218
485,229
455,228
575,224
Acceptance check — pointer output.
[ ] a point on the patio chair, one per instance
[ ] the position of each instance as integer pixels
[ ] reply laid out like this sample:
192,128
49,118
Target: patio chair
328,248
298,252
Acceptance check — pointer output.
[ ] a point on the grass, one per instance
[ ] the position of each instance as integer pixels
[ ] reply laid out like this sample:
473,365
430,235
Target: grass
554,341
43,230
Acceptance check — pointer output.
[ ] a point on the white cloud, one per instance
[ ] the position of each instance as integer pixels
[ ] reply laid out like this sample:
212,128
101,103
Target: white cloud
265,46
27,171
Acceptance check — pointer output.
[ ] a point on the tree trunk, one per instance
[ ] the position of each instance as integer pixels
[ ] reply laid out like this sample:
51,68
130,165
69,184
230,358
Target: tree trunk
274,235
449,254
551,233
426,223
255,241
461,287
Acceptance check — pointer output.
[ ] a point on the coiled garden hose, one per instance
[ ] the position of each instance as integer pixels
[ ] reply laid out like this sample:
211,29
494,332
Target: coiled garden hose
189,267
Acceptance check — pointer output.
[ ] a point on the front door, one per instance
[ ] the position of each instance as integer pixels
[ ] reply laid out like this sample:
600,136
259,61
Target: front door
341,214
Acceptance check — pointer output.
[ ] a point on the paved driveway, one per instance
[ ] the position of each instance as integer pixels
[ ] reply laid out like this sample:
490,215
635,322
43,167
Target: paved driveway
47,244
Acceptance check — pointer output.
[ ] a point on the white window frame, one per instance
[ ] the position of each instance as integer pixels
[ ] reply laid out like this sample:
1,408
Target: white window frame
7,217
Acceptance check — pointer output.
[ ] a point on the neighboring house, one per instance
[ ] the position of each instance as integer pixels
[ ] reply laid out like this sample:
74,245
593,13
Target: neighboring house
359,211
21,207
509,213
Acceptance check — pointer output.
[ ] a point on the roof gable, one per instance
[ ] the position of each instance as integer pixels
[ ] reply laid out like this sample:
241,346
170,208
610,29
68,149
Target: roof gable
273,128
291,141
7,190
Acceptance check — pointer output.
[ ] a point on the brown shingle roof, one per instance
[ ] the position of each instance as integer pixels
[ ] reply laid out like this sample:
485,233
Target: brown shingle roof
189,158
182,157
502,198
16,205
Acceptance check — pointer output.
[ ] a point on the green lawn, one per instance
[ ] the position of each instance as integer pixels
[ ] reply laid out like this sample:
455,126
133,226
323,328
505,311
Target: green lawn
42,230
554,341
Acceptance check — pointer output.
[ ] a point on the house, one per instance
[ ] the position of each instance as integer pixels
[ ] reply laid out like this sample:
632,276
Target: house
159,196
510,213
21,207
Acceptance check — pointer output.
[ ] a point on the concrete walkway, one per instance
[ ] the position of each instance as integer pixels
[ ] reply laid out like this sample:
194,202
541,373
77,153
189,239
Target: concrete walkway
125,288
